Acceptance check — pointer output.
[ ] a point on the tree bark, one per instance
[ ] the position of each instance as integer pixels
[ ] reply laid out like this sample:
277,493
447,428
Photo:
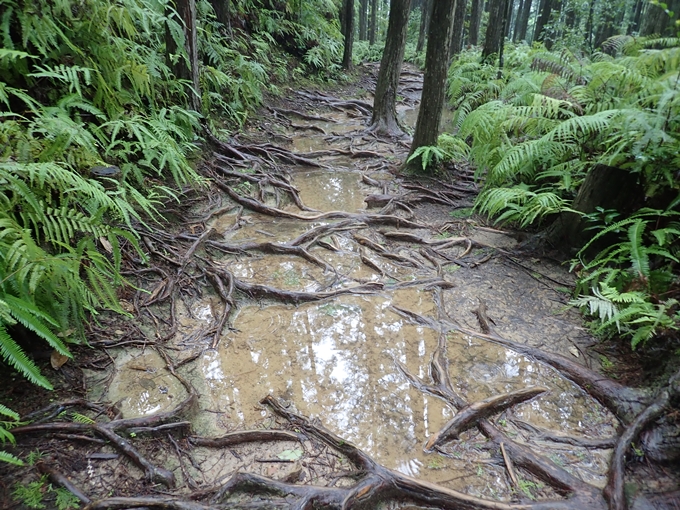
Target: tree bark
374,21
543,17
458,25
425,16
634,25
657,22
475,21
518,20
434,82
494,30
523,21
363,20
348,16
589,24
187,13
384,119
568,231
221,8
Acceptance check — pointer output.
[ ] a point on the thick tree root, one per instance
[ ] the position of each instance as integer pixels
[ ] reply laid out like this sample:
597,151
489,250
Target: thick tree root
470,415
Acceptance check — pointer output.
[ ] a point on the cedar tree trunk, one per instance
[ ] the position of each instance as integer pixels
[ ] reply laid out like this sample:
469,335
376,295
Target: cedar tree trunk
187,13
425,16
494,30
475,21
523,20
458,25
348,18
363,20
374,21
434,82
384,119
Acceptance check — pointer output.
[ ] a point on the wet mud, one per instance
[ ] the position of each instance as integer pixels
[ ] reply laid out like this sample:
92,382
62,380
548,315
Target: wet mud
334,360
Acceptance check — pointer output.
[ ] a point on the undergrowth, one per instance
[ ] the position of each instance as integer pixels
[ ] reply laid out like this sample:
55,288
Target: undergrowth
536,130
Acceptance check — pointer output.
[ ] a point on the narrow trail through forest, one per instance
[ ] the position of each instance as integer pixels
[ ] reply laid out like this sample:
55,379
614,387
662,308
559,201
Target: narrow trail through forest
318,330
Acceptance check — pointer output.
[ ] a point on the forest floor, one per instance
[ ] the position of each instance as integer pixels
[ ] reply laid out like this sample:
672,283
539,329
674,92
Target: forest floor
315,328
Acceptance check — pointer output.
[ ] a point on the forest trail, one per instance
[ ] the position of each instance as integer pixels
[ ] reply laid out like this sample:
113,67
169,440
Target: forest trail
340,288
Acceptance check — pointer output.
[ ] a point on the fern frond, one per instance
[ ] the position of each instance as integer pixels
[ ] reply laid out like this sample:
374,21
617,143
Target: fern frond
16,357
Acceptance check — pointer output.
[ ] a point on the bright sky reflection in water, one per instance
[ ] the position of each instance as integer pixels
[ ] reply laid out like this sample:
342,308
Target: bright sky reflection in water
334,360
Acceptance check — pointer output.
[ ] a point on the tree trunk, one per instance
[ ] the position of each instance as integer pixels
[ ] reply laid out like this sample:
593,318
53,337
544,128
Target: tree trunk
550,34
363,20
657,22
568,231
221,8
505,23
458,25
589,24
518,20
348,8
434,82
374,21
543,17
494,30
475,21
523,21
425,16
384,119
634,25
187,13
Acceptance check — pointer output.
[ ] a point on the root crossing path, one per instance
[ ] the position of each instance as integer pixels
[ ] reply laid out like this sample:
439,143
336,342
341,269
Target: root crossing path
317,331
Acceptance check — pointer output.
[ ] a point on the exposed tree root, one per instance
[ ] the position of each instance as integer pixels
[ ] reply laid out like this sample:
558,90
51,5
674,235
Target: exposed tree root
468,416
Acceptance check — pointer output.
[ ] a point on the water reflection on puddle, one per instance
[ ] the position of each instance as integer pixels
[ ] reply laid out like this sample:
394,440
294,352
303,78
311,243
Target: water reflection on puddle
331,191
334,360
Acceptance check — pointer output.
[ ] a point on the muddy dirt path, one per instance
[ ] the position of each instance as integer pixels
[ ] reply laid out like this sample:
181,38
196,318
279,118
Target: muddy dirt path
336,286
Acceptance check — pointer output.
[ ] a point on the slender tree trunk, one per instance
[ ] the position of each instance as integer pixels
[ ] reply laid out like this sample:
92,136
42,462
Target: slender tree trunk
187,13
434,89
374,22
363,20
634,25
348,16
589,24
475,21
494,30
508,19
505,23
458,26
425,16
550,34
221,8
543,17
384,119
518,20
524,21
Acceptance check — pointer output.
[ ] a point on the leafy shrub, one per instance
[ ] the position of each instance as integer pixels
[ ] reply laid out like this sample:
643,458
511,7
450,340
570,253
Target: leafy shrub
535,133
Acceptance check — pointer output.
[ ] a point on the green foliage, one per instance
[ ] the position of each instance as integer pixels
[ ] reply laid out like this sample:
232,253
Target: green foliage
535,133
447,149
630,285
6,435
31,494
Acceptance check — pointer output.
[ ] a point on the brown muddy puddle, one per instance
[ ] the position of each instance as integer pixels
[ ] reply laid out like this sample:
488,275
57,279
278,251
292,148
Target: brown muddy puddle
334,360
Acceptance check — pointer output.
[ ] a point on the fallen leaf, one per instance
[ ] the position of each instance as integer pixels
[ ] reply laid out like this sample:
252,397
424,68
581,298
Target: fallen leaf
57,360
574,351
106,244
291,454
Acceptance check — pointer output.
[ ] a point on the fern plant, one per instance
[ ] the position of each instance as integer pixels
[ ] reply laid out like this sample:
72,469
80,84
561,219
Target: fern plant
632,283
